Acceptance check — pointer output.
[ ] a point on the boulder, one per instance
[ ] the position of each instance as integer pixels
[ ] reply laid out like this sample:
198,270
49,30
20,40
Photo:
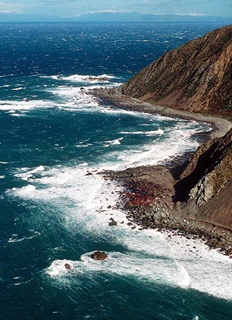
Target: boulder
112,222
99,255
68,266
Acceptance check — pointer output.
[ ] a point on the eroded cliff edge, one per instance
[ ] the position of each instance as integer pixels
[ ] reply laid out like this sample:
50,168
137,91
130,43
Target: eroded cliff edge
195,77
205,186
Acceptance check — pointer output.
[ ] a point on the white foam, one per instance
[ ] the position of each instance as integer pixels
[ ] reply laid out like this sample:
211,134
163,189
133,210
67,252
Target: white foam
149,259
156,152
185,281
75,98
84,78
58,268
147,133
25,191
13,106
177,265
150,256
113,142
26,173
205,270
134,265
17,89
15,238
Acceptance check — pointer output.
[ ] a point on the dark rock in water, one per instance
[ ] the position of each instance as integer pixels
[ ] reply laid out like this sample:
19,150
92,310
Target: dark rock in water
112,222
99,255
89,173
99,78
68,266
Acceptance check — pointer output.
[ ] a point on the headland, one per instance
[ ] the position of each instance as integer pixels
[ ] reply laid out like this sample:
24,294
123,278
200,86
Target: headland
190,194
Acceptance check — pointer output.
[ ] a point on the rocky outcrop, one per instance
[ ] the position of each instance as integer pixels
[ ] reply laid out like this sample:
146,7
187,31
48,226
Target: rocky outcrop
195,77
112,222
205,186
68,266
99,255
147,197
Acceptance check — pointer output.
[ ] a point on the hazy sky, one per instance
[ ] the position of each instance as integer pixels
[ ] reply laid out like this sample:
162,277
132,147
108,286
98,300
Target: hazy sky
67,8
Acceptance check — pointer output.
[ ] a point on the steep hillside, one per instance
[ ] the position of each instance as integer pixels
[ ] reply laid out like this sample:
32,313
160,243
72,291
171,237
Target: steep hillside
195,77
205,186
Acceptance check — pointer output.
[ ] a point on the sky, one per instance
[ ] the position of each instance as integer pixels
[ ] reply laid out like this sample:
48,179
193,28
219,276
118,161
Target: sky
72,8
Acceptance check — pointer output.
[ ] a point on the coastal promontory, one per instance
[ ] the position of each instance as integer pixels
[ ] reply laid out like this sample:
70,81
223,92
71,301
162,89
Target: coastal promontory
195,77
194,194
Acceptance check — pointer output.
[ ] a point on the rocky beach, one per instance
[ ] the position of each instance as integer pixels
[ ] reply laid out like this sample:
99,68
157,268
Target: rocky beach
149,192
190,195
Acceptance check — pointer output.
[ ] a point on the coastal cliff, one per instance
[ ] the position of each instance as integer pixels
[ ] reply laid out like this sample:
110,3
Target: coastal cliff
191,199
205,186
195,77
192,196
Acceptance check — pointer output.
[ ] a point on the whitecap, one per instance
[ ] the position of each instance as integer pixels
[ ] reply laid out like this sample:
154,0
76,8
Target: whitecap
15,238
83,78
24,192
147,133
84,164
13,106
27,173
17,89
113,142
37,169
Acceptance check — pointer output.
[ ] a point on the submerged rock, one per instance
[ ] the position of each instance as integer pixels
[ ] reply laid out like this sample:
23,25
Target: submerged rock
99,255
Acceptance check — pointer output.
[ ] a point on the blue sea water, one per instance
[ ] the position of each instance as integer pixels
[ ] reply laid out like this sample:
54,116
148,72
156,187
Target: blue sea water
55,206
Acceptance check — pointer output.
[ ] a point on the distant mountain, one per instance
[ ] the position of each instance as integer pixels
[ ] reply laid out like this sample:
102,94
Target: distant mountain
195,77
18,17
110,17
135,17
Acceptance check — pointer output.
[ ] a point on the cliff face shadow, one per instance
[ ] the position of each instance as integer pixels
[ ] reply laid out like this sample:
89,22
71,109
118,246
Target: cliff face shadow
203,164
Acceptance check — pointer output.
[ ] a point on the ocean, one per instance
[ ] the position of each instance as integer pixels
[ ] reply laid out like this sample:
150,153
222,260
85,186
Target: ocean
55,205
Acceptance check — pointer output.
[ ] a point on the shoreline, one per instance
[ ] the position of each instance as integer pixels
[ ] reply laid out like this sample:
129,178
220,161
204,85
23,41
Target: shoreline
116,99
147,191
